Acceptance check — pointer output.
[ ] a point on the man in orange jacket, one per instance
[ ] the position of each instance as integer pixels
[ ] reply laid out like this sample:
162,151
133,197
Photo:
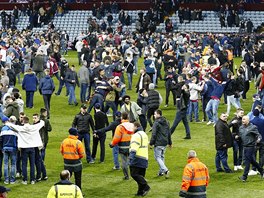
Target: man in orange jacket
195,178
122,137
72,151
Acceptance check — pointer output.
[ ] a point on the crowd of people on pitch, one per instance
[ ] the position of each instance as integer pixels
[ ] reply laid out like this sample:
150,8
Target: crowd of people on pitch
195,66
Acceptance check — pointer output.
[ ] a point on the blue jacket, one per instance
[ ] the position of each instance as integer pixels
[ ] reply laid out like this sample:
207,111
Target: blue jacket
260,125
149,66
218,89
30,82
9,139
46,85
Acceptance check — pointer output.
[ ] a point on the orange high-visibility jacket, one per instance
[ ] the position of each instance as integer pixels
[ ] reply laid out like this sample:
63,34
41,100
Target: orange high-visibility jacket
71,148
122,136
195,178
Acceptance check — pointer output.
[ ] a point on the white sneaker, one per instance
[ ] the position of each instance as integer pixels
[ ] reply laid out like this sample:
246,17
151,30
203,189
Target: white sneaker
208,123
252,172
240,167
17,174
235,168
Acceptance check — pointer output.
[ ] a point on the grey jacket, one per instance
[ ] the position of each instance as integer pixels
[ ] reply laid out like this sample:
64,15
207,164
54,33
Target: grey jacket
83,74
249,135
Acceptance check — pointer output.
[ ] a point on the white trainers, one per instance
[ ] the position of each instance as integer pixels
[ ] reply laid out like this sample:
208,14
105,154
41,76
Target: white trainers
252,172
235,168
240,167
18,175
208,123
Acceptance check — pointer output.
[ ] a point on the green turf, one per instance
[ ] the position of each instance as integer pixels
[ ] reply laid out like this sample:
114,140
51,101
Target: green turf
100,181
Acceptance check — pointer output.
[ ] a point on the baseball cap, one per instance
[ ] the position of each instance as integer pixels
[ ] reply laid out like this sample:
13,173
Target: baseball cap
255,95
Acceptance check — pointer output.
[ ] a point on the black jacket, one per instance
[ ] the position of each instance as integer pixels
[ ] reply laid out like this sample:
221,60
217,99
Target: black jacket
153,99
161,135
222,135
100,120
83,122
249,135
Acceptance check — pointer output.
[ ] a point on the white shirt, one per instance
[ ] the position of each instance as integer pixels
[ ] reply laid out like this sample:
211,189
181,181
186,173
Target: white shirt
28,135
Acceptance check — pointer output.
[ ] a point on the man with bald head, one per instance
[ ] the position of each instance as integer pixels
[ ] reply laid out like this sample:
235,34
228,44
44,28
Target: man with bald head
250,137
64,188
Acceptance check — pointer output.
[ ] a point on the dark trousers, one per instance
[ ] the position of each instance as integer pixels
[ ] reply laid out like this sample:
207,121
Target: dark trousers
40,167
96,140
78,178
138,175
181,116
46,99
28,153
150,113
168,95
86,138
249,158
246,88
221,157
62,82
237,152
18,163
143,121
29,99
1,162
260,149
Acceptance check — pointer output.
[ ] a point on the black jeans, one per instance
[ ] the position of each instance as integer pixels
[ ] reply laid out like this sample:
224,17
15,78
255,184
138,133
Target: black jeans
181,115
78,178
46,98
96,140
246,88
138,175
150,114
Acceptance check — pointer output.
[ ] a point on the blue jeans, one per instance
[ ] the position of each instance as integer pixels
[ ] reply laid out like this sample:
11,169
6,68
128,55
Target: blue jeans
129,79
97,98
62,82
159,154
115,152
211,110
71,94
40,167
249,158
28,153
181,116
12,156
86,138
124,158
29,99
84,87
112,105
221,156
231,100
194,108
237,152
